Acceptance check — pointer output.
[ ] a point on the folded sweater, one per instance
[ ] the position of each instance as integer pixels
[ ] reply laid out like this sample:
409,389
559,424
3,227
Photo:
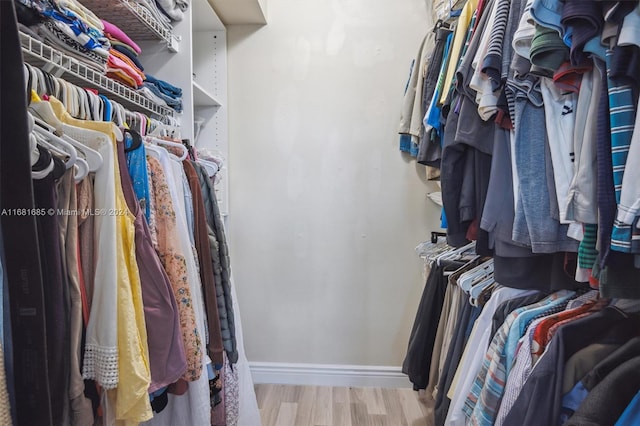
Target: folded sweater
118,34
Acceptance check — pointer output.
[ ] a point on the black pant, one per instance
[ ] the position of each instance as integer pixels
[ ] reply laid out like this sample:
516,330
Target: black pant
22,269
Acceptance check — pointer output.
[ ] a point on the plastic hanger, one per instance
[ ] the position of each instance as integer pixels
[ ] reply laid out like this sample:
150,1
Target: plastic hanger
456,253
466,280
480,286
211,167
157,141
43,111
489,288
55,143
92,158
40,174
81,169
136,140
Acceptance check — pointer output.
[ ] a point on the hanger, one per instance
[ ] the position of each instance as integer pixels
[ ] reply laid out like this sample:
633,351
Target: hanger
41,174
81,168
96,106
157,141
211,167
480,285
119,116
159,129
427,249
489,288
466,280
45,113
33,146
92,159
55,143
135,138
456,253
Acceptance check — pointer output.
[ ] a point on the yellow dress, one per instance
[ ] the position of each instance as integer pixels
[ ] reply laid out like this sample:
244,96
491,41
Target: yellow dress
130,398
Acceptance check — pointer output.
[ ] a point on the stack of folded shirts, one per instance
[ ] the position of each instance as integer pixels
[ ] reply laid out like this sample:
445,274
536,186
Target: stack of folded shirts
119,37
162,93
70,27
123,64
121,68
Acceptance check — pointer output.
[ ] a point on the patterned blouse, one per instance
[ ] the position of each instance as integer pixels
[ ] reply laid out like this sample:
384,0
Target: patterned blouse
163,228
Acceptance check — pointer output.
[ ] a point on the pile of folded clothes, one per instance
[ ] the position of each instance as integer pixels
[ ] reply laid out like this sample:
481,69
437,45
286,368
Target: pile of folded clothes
68,26
162,93
123,64
72,28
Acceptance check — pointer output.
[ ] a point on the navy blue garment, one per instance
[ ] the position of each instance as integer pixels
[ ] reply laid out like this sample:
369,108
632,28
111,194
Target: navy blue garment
129,54
164,87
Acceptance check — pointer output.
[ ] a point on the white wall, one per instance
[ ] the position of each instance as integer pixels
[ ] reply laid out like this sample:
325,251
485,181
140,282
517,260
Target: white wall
324,210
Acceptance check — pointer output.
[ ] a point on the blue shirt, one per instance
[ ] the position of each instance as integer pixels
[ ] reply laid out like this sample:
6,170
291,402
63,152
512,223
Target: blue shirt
631,415
137,166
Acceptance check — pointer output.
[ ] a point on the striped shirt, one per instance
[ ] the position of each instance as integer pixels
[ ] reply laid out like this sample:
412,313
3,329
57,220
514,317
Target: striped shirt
483,401
622,113
492,64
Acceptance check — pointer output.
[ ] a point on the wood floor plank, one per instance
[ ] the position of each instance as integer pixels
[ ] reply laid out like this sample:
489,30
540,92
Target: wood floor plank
341,395
373,399
378,420
359,414
306,405
392,404
323,415
342,414
283,405
287,414
411,407
270,404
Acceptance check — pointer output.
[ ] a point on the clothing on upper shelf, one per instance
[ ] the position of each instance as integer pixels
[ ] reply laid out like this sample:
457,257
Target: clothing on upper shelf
70,27
173,9
115,32
154,88
535,116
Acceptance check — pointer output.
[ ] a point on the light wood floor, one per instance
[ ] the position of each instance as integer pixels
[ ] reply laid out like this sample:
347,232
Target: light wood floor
284,405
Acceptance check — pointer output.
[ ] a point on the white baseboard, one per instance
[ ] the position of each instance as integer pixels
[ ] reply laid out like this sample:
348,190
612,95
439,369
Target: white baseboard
328,375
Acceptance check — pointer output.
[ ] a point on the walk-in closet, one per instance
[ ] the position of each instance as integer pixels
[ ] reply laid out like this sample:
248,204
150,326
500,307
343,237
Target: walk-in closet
319,213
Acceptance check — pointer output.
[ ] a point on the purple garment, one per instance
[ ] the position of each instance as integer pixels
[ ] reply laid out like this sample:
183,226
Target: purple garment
167,359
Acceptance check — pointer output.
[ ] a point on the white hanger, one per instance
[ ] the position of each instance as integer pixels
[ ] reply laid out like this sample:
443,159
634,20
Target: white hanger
466,280
56,143
157,141
82,170
44,111
212,168
456,253
92,158
478,289
35,156
161,129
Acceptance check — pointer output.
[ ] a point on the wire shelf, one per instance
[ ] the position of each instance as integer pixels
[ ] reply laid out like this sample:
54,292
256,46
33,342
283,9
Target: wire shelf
128,15
57,63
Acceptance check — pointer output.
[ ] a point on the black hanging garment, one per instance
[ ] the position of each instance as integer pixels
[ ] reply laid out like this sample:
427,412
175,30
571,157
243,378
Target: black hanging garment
417,363
20,240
